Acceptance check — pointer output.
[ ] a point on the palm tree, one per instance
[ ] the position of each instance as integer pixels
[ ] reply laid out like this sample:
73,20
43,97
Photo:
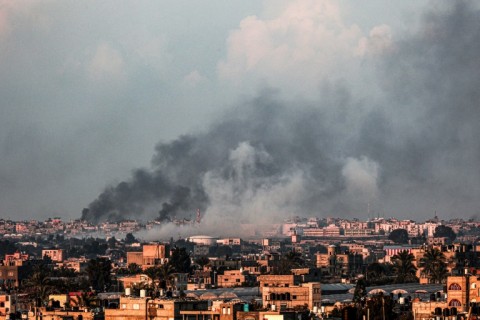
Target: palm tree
162,276
134,268
403,267
99,274
379,273
39,285
166,275
433,265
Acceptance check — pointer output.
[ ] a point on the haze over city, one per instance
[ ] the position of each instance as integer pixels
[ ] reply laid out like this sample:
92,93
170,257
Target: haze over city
246,110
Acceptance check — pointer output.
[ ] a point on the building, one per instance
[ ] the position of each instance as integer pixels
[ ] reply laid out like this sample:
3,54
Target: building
55,254
278,281
151,255
140,308
290,297
335,263
234,278
7,305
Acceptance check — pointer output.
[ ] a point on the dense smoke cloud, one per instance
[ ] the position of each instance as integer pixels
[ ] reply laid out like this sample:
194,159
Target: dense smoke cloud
409,153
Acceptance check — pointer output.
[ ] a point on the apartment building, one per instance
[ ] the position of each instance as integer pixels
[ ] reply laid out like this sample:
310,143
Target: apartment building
55,254
290,297
151,255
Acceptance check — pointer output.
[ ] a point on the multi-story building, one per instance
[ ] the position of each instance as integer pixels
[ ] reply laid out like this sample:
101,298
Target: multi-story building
55,254
151,255
288,297
7,305
335,263
286,280
140,308
234,278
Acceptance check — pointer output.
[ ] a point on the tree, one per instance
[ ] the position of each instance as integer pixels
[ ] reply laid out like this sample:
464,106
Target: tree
290,261
445,231
112,242
38,284
99,274
433,265
129,238
180,260
202,261
379,273
161,276
134,268
380,306
360,291
403,267
399,236
166,276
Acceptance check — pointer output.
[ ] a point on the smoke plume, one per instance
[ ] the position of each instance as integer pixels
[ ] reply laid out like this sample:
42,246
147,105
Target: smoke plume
409,153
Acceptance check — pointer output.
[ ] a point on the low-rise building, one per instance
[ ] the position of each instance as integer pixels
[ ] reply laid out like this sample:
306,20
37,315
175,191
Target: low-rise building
289,297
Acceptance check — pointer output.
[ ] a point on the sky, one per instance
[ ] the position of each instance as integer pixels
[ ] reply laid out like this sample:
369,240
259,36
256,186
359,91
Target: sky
244,109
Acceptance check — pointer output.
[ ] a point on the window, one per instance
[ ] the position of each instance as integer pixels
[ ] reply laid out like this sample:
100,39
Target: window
455,303
136,306
124,306
10,273
160,306
454,286
294,297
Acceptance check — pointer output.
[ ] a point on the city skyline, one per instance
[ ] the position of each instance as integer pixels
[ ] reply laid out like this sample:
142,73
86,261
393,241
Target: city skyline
249,111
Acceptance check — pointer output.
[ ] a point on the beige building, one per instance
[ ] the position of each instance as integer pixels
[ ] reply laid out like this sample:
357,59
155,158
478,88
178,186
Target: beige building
230,278
140,308
269,280
289,297
7,305
462,291
335,263
151,255
55,254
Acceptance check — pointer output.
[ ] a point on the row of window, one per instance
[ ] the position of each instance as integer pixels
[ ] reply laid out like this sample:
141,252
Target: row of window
9,273
280,296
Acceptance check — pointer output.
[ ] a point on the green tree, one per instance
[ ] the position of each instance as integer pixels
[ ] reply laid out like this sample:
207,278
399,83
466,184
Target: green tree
162,276
433,265
166,276
445,231
380,307
379,273
129,238
180,260
289,261
399,236
112,242
99,274
360,291
202,261
403,267
38,285
134,268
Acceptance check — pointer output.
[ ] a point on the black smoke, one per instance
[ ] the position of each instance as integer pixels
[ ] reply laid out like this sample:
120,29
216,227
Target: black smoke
409,154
